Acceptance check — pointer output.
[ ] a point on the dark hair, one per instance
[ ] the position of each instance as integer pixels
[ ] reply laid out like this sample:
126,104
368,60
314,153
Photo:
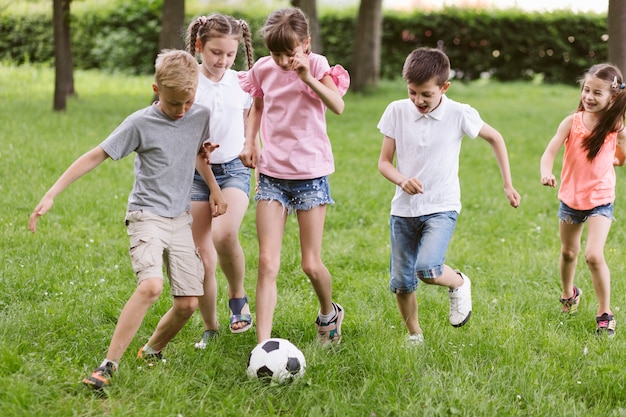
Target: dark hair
217,25
612,118
285,29
424,64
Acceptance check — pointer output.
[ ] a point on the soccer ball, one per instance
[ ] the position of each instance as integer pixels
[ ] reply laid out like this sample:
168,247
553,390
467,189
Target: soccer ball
276,359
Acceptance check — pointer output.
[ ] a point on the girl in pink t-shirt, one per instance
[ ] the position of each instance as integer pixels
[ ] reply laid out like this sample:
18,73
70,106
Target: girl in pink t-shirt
292,89
595,141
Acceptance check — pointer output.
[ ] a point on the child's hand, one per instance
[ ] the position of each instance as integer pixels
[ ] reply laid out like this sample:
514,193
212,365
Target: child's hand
217,203
513,196
248,156
412,186
300,64
42,208
206,149
548,180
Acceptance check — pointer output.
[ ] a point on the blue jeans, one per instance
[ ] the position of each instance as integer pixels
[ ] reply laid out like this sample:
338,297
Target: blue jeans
569,215
294,195
418,248
233,174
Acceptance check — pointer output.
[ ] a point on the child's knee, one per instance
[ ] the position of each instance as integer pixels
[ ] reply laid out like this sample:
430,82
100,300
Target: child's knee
185,306
150,288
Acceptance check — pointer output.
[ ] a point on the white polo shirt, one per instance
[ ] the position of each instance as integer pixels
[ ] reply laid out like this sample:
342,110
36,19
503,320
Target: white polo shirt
227,102
428,147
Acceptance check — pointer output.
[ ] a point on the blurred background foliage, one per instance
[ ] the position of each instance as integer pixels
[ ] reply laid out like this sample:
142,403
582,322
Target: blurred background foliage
504,44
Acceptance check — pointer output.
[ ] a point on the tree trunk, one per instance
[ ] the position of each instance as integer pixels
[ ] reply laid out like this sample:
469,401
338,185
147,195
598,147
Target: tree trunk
63,62
617,34
365,69
172,35
309,7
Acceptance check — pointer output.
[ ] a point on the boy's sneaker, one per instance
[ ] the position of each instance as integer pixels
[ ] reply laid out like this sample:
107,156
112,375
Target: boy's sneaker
570,305
461,302
606,325
415,340
100,378
150,358
330,333
207,336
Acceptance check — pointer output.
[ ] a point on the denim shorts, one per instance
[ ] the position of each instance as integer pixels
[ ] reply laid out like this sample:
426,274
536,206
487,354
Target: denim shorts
569,215
233,174
294,194
418,248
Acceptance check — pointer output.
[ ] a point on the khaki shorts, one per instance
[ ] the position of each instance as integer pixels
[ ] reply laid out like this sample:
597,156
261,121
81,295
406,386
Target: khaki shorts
157,241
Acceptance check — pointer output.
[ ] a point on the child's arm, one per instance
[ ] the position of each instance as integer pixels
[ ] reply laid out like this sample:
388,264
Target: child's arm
620,149
249,156
496,141
80,167
547,159
389,170
216,199
324,88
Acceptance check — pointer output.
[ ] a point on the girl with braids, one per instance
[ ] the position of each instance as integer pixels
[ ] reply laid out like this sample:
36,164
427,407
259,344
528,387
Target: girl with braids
292,89
595,141
215,39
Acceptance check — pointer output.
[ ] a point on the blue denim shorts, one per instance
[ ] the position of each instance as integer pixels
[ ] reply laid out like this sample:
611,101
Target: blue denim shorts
294,194
233,174
418,248
569,215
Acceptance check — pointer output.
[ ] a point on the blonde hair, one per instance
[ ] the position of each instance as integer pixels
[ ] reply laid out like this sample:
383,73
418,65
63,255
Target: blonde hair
216,26
176,69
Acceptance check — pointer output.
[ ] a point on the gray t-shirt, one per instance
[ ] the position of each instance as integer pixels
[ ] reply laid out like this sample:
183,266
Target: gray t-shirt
165,158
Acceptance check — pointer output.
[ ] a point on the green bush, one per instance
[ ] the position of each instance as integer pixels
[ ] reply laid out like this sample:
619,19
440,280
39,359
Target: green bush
506,45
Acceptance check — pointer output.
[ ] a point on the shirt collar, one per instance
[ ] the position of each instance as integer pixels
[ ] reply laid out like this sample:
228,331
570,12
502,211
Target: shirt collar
436,114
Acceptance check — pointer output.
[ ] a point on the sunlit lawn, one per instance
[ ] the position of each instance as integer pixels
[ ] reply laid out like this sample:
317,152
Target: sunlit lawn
61,289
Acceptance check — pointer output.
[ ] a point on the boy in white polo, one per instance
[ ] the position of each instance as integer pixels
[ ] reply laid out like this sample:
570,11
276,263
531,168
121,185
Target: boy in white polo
424,134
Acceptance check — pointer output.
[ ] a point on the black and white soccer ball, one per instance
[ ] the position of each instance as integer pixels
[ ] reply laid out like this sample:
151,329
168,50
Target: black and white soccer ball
276,359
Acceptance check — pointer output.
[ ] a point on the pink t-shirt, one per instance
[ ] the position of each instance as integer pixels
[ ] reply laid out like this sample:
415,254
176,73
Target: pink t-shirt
587,184
293,125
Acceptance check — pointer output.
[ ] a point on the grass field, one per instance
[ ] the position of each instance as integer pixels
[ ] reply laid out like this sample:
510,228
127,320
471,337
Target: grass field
61,289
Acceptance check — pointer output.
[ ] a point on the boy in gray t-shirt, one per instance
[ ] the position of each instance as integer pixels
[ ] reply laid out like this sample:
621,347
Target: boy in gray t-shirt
167,138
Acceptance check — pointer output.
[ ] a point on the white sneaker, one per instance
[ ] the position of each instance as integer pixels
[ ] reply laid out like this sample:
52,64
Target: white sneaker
415,339
461,302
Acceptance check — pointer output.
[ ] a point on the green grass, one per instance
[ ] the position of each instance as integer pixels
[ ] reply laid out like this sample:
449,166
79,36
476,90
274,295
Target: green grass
61,289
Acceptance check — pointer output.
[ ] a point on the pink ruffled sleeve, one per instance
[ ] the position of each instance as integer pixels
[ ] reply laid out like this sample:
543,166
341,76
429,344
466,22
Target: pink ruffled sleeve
340,77
248,85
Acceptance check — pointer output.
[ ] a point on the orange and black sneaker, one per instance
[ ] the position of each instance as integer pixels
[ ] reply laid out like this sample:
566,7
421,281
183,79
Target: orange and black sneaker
100,378
151,359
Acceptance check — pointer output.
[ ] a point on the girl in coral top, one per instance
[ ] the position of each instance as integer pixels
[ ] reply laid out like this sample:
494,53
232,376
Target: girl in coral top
292,88
595,141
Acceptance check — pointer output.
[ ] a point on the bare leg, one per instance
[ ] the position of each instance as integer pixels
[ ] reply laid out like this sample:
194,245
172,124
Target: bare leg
225,231
174,320
597,233
407,304
311,224
270,222
201,229
450,278
133,313
570,248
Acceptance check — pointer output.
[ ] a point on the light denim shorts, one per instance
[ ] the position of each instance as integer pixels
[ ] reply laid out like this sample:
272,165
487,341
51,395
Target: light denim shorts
418,248
157,242
294,194
569,215
233,174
